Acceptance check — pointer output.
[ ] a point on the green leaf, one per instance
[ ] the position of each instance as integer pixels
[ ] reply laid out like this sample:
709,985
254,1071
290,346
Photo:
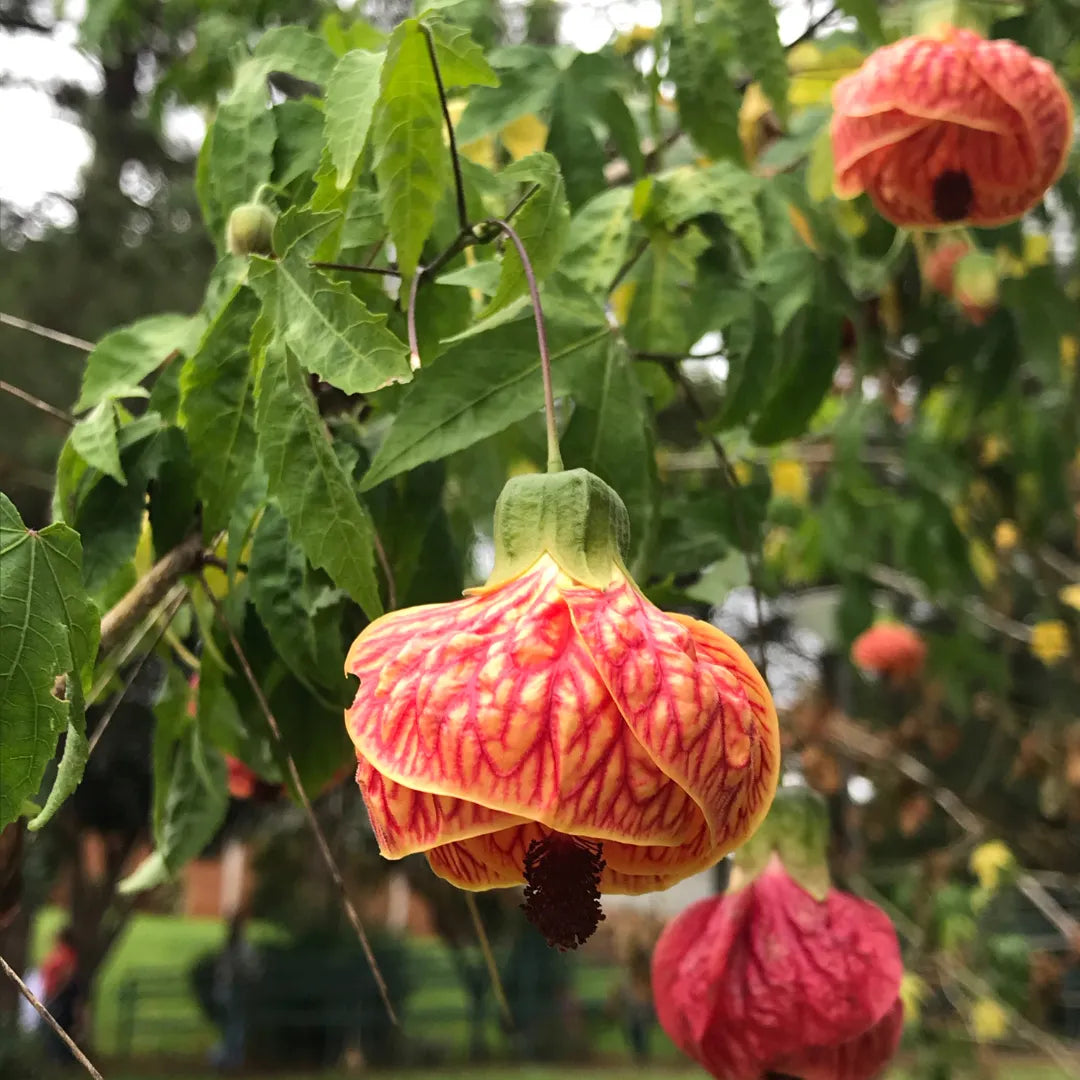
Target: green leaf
705,94
194,806
575,144
217,407
757,43
663,282
806,380
750,364
122,359
411,159
478,387
611,435
786,278
527,80
351,95
722,188
48,629
302,618
93,438
542,226
597,241
294,51
331,330
299,142
311,485
461,60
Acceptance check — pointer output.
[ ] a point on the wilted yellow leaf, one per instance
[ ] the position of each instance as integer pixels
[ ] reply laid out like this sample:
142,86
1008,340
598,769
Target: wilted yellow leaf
754,108
144,552
789,480
989,1021
1070,595
814,71
802,227
989,862
1050,641
743,471
633,38
621,299
525,135
482,150
983,563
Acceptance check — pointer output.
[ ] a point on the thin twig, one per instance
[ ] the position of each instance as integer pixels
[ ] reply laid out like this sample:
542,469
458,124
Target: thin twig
49,1019
753,551
353,268
134,673
41,406
812,28
388,571
459,183
554,463
177,592
863,744
309,810
975,984
489,959
629,264
43,331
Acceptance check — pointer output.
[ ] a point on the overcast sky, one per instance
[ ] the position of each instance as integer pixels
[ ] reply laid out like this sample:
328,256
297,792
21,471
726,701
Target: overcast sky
44,150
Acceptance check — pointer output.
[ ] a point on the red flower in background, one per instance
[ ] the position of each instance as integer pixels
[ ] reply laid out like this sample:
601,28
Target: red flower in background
951,129
967,276
889,648
783,975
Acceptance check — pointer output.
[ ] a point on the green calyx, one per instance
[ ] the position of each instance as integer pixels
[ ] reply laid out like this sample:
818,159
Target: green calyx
250,230
572,516
797,830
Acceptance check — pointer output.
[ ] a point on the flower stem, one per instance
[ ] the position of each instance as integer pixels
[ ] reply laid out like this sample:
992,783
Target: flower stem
459,183
555,462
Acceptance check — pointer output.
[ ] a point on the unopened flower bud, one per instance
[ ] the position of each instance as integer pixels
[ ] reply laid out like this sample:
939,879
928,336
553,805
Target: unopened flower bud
251,230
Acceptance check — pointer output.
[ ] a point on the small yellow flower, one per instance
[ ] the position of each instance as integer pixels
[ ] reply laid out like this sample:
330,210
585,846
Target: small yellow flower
1036,249
1070,349
961,516
989,862
789,480
621,299
1070,595
775,544
633,38
993,448
1050,641
913,992
1006,535
989,1020
755,107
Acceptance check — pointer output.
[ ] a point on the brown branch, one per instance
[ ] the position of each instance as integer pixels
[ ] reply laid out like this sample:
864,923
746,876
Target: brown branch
489,959
981,612
629,264
43,331
37,403
867,746
753,551
309,810
49,1019
149,591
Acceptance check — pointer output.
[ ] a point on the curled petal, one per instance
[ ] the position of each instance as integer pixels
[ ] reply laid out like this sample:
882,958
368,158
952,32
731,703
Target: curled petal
497,859
495,700
861,1058
693,699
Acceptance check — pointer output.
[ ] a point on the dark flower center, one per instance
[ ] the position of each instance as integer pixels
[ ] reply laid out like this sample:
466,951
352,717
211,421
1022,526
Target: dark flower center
953,195
562,888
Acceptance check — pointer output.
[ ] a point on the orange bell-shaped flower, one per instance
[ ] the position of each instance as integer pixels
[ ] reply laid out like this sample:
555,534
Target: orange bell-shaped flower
556,729
941,130
892,649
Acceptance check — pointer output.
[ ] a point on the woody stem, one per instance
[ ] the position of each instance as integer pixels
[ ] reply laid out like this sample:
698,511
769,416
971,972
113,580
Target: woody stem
554,462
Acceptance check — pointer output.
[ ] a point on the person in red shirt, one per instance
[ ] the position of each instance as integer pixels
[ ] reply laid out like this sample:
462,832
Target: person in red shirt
60,990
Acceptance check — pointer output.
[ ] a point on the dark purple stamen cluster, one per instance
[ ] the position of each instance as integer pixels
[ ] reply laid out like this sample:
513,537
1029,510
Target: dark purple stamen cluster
953,195
562,888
